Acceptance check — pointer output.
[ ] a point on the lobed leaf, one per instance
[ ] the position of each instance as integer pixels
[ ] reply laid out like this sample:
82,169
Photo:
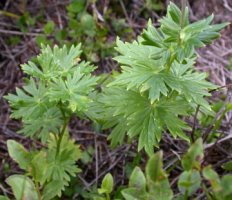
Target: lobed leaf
131,113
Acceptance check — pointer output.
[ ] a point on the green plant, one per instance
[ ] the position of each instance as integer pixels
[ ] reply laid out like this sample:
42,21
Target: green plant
154,5
158,83
59,86
154,185
157,86
83,27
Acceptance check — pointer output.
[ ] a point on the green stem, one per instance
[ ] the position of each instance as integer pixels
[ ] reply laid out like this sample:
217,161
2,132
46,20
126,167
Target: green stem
186,195
61,133
61,136
37,190
9,14
183,5
107,196
170,61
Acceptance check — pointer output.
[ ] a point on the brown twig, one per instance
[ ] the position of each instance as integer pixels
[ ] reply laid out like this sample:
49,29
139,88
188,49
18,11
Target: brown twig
194,123
221,87
19,33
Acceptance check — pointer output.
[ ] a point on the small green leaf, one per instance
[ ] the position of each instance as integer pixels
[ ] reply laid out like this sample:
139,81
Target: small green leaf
213,178
227,166
189,182
137,179
76,6
23,187
49,27
192,159
88,24
39,167
161,190
158,183
154,168
134,194
107,184
19,154
41,40
4,198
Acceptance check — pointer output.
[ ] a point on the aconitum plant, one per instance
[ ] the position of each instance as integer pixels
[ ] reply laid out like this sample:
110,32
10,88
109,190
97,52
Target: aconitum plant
59,86
158,83
157,86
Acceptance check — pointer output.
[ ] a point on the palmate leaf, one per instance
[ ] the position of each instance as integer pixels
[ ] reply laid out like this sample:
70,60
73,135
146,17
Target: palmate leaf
133,55
152,37
39,115
192,85
178,37
41,126
49,167
142,118
149,74
175,28
62,81
74,90
142,66
62,164
53,62
29,102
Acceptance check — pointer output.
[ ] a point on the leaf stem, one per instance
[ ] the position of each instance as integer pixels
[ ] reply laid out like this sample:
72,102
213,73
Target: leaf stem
37,190
194,124
61,134
170,61
107,196
186,195
183,5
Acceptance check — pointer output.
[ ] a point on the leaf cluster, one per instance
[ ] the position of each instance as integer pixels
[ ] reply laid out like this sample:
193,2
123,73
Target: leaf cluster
48,172
156,88
59,85
158,83
154,184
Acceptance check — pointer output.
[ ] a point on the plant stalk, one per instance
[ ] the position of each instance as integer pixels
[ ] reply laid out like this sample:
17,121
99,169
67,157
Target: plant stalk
61,136
183,5
107,196
37,190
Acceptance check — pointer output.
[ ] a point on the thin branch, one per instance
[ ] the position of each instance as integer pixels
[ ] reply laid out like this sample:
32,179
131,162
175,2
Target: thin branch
19,33
126,15
221,87
194,123
96,158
